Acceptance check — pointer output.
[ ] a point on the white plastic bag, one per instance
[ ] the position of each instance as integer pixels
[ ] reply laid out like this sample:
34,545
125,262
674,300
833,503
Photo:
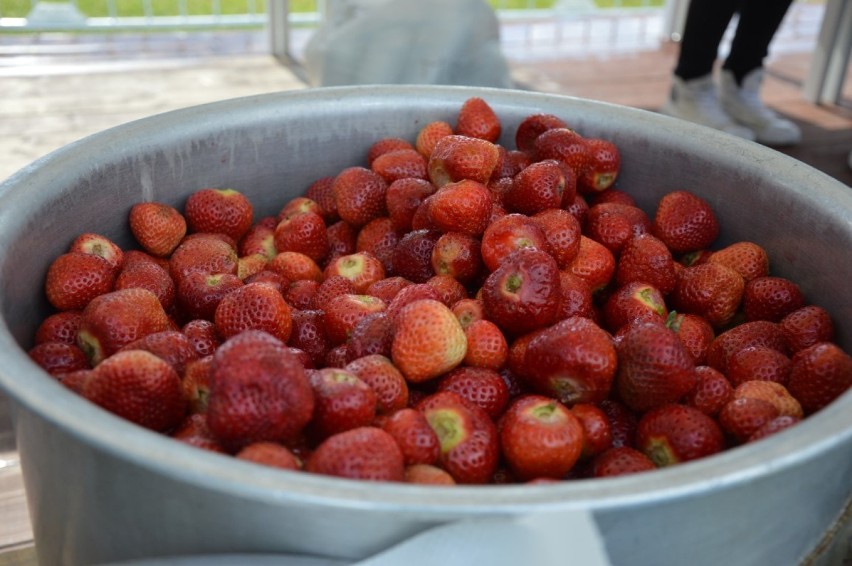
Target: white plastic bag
450,42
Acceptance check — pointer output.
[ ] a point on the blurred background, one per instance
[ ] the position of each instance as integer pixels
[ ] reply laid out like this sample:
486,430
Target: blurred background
69,68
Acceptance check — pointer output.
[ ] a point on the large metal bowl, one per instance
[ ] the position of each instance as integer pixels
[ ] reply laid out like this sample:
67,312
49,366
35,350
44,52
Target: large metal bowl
101,489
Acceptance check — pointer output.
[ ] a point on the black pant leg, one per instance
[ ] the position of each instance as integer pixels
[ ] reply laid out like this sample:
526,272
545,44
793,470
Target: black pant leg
706,22
759,21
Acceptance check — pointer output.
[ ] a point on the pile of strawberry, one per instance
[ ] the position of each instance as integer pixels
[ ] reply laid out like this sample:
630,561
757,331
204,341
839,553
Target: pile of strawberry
449,311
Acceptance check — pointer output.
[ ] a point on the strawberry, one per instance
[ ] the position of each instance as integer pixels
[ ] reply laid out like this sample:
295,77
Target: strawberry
776,425
635,300
468,311
200,293
135,257
193,430
270,454
622,422
360,195
342,239
387,288
98,245
384,379
171,346
673,434
332,287
771,298
563,233
533,126
59,327
536,188
742,417
619,461
604,166
576,296
579,208
301,294
321,192
477,119
426,474
305,233
820,374
205,253
463,206
411,431
341,402
594,264
308,334
486,345
747,258
74,279
685,222
773,393
565,145
361,268
449,290
711,392
118,318
157,227
256,306
729,342
150,276
524,293
294,207
58,358
573,361
540,438
613,224
250,266
219,211
202,335
478,386
403,198
429,136
710,290
408,295
344,312
654,368
597,430
338,356
429,340
467,436
364,453
456,158
258,391
458,255
694,332
295,266
373,334
379,238
196,384
400,164
805,327
386,145
412,259
139,387
512,162
612,195
508,234
646,258
758,363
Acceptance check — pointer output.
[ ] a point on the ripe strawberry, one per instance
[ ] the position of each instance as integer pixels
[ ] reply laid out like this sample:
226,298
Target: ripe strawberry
196,384
365,453
342,239
74,279
508,234
400,164
710,290
821,373
386,381
747,258
58,358
379,238
619,461
578,208
256,306
594,264
387,288
59,327
468,311
361,268
321,192
646,258
202,335
412,258
251,265
171,346
756,333
533,126
386,145
805,327
219,211
463,206
685,222
426,474
758,363
456,158
157,227
711,392
540,438
597,430
486,345
673,434
574,361
305,233
524,293
772,392
612,195
338,356
576,297
295,266
98,245
341,402
458,255
134,257
344,312
536,188
477,119
294,207
205,253
403,198
308,334
603,169
140,387
301,294
416,439
467,436
449,290
200,293
774,426
372,334
360,195
193,430
118,318
408,295
150,276
258,391
565,145
563,234
635,300
740,418
429,136
622,422
613,224
695,332
771,298
429,340
478,386
512,162
654,369
270,454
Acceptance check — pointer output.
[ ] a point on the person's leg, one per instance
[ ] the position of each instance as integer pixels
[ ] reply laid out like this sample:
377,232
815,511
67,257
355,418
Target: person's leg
706,22
758,22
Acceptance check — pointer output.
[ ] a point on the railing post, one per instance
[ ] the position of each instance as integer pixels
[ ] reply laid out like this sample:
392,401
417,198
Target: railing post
278,26
56,14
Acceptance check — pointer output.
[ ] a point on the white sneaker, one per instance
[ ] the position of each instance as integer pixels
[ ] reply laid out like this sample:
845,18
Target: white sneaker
697,101
743,104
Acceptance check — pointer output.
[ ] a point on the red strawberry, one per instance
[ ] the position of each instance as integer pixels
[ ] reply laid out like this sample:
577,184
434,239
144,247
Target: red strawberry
344,312
403,198
603,169
597,430
250,266
150,276
387,288
219,211
58,358
536,188
449,290
710,290
429,136
576,297
294,207
747,258
338,356
386,145
341,402
619,461
386,381
258,391
756,333
771,298
468,311
613,224
711,392
467,436
695,332
342,239
673,434
456,158
118,318
171,346
361,268
478,386
256,306
457,254
134,257
295,266
805,327
486,345
98,245
463,206
196,384
821,373
775,425
508,234
771,392
205,253
59,327
635,300
622,422
400,164
685,222
195,432
305,233
429,341
270,454
202,335
512,162
578,208
594,264
411,431
75,278
533,126
477,119
758,363
158,227
200,293
573,361
612,195
360,195
365,453
308,334
321,192
740,418
654,368
408,295
412,258
426,474
379,238
140,387
540,438
646,258
563,233
565,145
372,334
